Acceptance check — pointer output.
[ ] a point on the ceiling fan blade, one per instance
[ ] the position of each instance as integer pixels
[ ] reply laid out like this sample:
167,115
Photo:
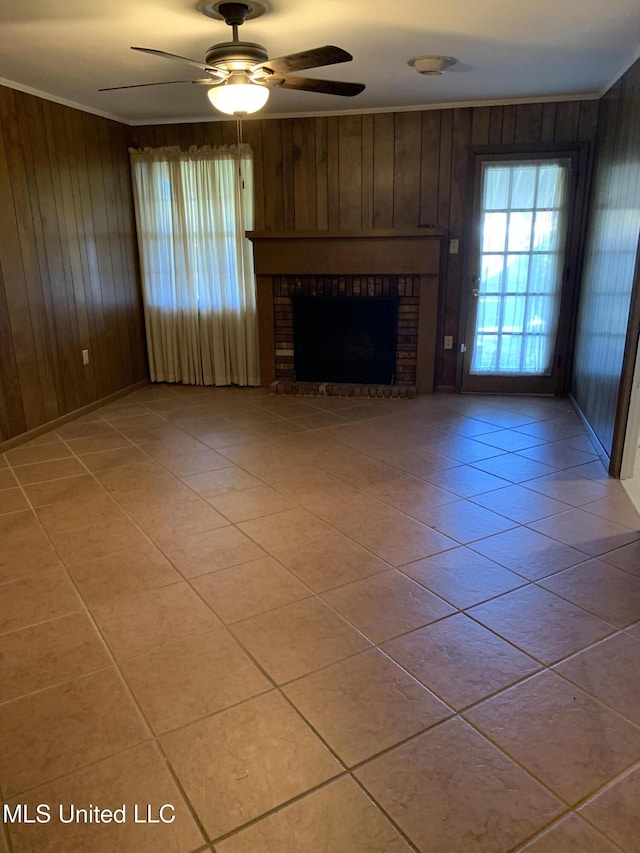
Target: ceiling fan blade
316,58
164,55
142,85
327,87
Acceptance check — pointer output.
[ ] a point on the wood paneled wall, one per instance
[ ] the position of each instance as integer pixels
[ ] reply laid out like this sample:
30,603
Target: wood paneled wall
68,266
388,170
610,259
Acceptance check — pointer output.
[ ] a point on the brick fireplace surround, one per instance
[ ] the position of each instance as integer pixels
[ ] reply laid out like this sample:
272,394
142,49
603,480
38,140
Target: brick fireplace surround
356,264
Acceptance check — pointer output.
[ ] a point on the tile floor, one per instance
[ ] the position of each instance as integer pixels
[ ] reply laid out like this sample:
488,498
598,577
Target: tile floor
320,625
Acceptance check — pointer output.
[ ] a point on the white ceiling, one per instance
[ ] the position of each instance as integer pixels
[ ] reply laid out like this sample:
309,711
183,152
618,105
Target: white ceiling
506,50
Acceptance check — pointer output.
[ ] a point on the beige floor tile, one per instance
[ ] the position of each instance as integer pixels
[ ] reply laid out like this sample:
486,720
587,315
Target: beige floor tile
144,480
133,779
123,573
571,835
262,454
211,550
616,507
553,628
12,500
298,638
81,428
602,589
386,605
7,480
457,463
37,598
50,437
132,422
330,561
19,530
98,443
180,683
76,546
337,818
57,730
49,653
245,504
221,481
170,520
569,487
27,455
365,704
513,467
450,789
245,761
615,811
32,560
586,746
520,504
304,483
465,481
409,494
604,671
464,521
353,511
627,558
195,462
462,576
135,624
155,501
285,529
460,660
40,472
81,488
250,588
587,532
402,541
528,553
559,456
362,472
509,440
105,460
79,515
460,448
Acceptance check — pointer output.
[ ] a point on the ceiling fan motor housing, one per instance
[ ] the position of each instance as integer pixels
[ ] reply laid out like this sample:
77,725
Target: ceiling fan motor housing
244,53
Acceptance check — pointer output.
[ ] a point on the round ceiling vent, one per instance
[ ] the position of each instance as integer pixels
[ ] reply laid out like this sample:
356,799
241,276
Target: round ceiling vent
432,64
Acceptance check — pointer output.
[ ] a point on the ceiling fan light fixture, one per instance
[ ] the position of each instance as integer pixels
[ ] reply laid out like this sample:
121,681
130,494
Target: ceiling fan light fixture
432,65
238,97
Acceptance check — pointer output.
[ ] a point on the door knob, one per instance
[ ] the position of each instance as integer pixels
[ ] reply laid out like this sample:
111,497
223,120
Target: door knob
475,291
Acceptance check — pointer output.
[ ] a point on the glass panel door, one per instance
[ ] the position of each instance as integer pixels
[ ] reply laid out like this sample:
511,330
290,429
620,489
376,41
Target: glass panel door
521,225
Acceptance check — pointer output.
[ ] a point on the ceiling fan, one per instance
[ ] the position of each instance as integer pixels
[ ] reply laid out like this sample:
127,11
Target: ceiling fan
240,73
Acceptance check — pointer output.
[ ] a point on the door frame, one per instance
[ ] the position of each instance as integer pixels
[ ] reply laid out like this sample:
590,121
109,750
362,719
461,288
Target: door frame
580,154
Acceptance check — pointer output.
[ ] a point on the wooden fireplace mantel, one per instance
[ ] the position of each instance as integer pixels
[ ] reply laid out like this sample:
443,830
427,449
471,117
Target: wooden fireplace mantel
375,252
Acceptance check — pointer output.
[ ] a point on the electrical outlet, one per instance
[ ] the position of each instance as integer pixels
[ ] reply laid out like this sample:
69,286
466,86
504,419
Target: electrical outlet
85,356
454,246
448,341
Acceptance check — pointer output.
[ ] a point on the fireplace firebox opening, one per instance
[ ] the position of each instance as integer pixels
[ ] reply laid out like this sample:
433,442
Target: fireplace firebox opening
345,339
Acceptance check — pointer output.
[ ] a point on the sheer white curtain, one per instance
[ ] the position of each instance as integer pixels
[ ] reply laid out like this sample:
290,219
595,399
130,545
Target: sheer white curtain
192,209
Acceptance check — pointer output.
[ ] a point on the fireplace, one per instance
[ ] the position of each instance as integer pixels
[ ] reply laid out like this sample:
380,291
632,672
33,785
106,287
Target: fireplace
346,272
345,339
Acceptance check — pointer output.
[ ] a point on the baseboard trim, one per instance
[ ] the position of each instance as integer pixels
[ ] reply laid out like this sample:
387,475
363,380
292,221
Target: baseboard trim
602,453
17,440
